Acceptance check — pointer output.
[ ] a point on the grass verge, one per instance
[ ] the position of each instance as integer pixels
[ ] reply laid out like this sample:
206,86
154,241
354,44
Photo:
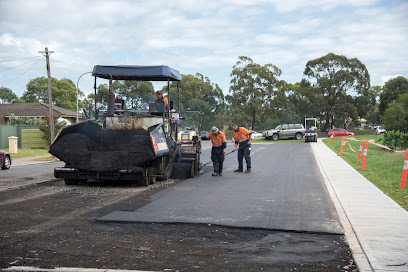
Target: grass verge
383,168
23,153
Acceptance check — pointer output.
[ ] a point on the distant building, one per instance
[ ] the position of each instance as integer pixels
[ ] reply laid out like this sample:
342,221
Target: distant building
31,110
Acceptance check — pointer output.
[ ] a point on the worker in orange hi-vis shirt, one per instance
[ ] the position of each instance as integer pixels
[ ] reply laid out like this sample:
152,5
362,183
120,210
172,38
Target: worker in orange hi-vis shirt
161,99
219,145
242,137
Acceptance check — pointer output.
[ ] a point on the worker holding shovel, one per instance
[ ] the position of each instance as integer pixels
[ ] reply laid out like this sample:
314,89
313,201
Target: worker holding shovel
242,137
219,145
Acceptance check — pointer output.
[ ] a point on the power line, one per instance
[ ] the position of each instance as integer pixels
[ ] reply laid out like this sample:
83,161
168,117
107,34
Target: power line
23,72
20,59
17,66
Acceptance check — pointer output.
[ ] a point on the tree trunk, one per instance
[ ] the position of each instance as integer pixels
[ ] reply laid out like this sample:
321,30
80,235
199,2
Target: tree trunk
253,119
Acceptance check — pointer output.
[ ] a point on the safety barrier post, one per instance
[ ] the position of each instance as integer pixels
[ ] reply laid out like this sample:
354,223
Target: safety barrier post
364,155
404,171
361,149
342,146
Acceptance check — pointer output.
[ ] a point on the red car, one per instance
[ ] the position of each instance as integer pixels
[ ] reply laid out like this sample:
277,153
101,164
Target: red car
5,160
336,132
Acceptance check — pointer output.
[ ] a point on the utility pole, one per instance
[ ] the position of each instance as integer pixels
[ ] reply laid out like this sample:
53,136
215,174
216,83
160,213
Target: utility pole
47,54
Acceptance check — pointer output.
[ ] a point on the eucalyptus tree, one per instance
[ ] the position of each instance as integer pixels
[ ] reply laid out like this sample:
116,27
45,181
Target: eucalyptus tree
339,81
255,91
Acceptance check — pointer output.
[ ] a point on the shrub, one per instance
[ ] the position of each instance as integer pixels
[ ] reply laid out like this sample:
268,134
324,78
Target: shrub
45,128
396,139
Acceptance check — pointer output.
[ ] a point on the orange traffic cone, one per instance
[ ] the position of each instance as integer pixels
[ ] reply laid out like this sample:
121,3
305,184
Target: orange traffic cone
361,149
364,155
404,171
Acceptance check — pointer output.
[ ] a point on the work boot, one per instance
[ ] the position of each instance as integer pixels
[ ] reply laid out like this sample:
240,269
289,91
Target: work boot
238,171
215,174
248,170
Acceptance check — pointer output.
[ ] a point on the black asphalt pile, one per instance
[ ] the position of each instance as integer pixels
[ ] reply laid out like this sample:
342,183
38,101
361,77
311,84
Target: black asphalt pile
78,151
181,170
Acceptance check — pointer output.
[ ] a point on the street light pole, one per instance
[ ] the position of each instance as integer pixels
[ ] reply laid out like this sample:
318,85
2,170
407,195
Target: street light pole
78,94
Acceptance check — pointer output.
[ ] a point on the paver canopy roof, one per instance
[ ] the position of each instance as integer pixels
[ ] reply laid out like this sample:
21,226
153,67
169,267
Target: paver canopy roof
136,72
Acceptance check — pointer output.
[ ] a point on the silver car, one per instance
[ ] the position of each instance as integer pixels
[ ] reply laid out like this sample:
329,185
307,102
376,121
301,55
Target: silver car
296,131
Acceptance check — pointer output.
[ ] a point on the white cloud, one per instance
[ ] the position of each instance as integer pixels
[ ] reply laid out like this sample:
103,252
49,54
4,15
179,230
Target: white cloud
201,36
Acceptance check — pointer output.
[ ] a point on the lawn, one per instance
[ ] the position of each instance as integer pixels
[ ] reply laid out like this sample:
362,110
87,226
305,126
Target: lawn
383,168
23,153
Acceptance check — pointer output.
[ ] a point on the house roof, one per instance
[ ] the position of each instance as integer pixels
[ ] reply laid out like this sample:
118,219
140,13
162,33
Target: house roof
33,109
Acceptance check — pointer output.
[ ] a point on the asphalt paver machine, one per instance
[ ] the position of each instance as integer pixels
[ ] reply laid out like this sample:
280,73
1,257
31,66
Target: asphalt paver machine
132,145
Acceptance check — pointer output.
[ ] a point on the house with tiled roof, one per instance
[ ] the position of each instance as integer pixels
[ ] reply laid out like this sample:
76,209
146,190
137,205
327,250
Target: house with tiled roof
31,110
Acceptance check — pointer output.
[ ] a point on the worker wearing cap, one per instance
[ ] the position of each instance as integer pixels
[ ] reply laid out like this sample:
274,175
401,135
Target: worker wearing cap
161,99
219,145
242,137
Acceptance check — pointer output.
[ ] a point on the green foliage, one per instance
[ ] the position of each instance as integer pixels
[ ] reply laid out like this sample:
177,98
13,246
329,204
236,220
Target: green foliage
137,94
26,121
335,77
392,89
64,92
46,130
7,96
255,91
396,115
291,118
198,93
396,139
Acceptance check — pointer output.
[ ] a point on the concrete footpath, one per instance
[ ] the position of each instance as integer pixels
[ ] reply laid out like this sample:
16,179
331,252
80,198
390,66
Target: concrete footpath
379,224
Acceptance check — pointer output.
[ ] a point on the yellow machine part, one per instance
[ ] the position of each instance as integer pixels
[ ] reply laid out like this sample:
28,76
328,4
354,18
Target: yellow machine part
186,135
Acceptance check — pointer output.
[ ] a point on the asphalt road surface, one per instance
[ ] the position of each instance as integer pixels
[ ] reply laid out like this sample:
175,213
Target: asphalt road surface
283,192
50,224
22,175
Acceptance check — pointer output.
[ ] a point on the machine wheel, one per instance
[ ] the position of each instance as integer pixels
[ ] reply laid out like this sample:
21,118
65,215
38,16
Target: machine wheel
6,163
315,139
298,136
306,139
72,181
275,137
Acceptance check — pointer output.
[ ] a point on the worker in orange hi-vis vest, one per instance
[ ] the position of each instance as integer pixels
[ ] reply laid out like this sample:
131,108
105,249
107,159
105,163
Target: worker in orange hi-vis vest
242,137
219,145
161,99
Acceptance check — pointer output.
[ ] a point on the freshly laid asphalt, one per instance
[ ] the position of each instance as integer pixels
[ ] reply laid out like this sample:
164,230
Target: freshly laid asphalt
375,227
284,192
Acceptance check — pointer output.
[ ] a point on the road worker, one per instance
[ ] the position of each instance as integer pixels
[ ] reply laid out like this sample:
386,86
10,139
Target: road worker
161,99
242,137
219,146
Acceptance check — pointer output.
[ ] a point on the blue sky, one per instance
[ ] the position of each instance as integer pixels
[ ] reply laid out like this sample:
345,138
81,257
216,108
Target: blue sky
199,36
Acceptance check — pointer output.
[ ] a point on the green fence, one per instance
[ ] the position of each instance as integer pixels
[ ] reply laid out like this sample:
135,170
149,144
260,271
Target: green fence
8,131
32,138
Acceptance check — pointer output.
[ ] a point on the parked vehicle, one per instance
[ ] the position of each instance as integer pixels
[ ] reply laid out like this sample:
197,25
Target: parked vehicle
203,135
256,135
311,131
339,132
296,131
380,130
5,160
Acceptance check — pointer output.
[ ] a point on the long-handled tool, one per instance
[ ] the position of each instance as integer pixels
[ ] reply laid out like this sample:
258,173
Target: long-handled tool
227,154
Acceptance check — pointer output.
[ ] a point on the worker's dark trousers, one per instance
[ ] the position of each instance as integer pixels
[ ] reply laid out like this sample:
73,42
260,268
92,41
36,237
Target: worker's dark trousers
218,158
244,152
